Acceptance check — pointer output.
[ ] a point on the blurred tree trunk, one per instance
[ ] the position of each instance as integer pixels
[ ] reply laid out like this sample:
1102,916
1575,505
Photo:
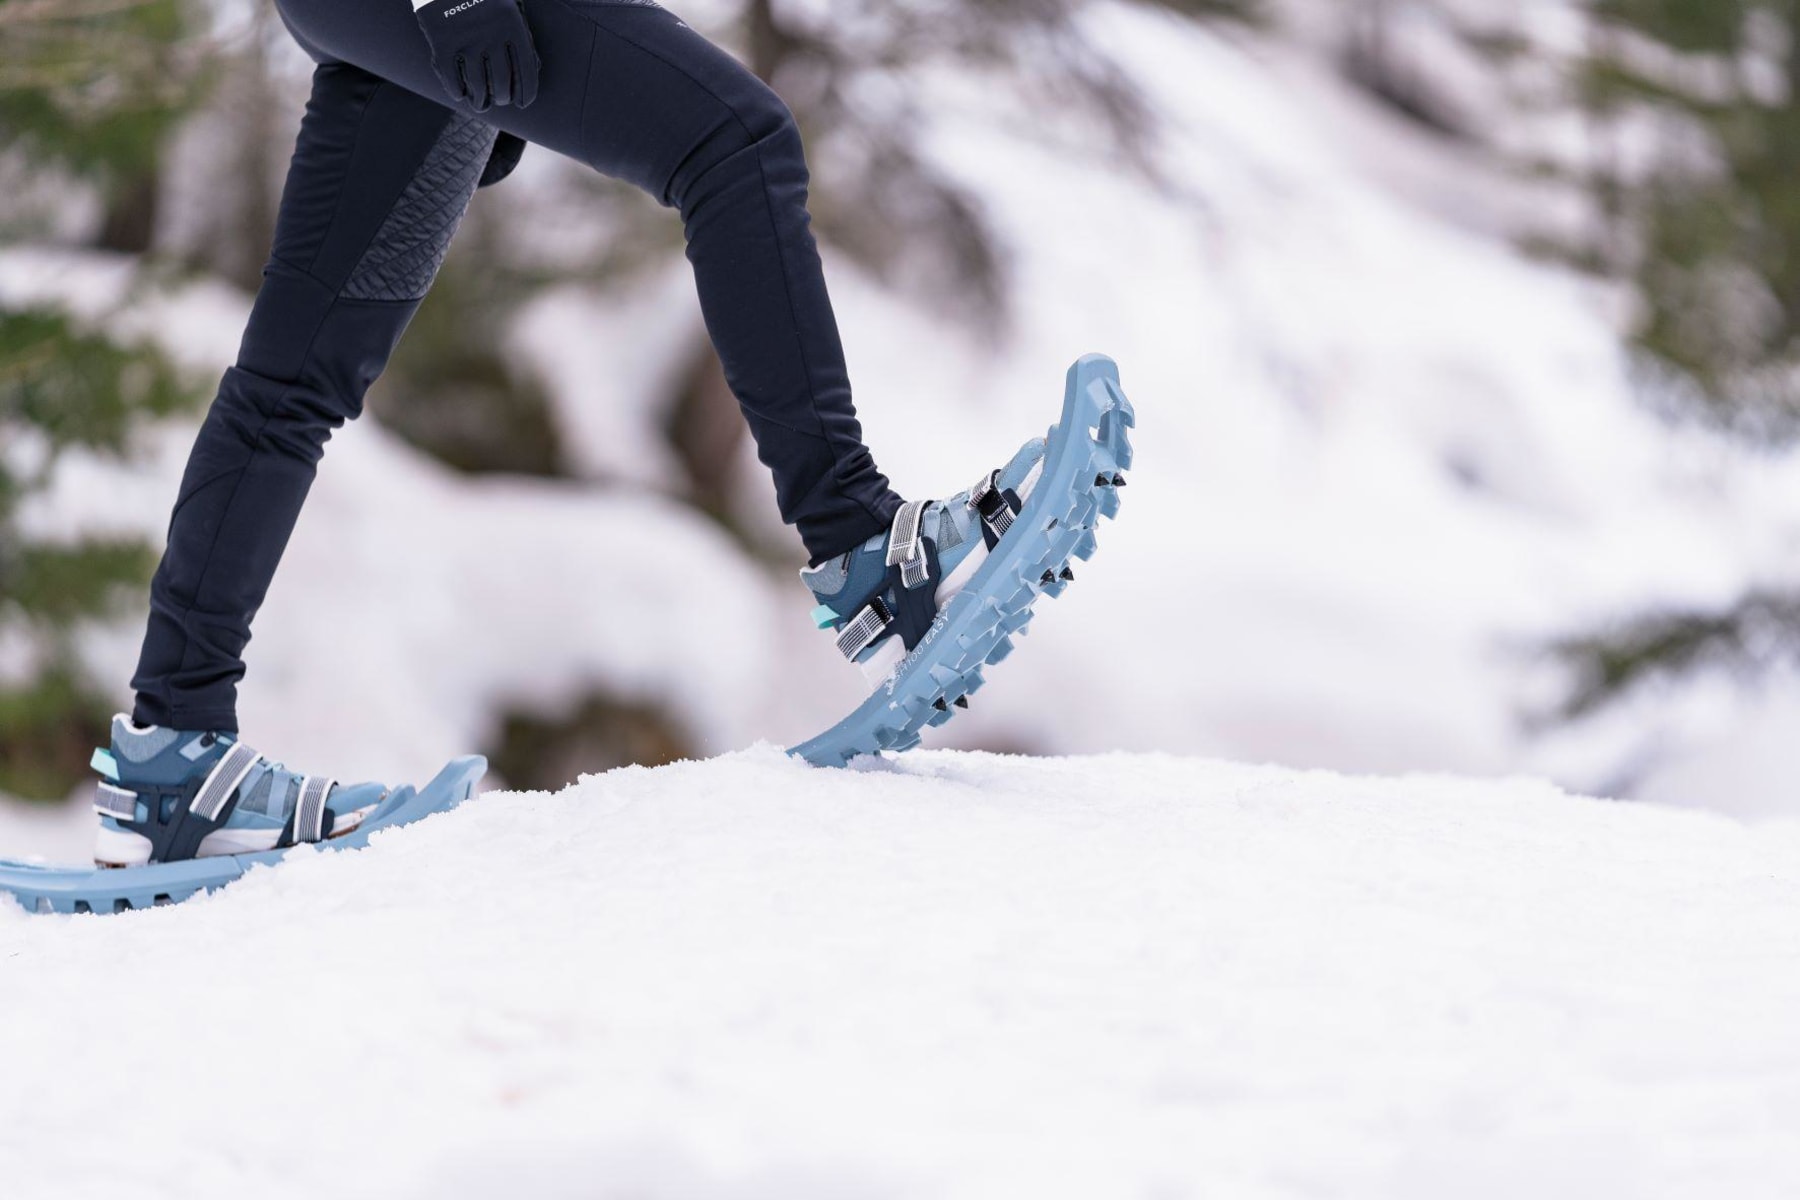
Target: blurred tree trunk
766,43
1374,59
705,426
132,207
261,154
263,121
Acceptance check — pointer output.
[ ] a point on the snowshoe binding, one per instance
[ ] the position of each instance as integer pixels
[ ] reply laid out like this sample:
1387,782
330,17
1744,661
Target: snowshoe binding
924,608
182,813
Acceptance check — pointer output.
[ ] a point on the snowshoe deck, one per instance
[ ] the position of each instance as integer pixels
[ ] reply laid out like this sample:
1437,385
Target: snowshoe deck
46,889
1087,451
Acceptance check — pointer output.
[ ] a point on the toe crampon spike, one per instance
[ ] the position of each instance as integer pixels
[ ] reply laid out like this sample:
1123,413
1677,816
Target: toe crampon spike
1088,451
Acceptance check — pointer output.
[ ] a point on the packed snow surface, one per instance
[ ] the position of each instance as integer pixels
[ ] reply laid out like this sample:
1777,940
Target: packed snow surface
959,976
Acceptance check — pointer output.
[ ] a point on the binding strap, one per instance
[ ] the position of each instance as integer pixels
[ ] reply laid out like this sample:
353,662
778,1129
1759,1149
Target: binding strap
906,549
994,506
309,814
865,629
222,784
115,802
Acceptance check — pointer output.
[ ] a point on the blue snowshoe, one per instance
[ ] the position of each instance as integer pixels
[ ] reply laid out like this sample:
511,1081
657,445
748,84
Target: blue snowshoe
926,606
183,813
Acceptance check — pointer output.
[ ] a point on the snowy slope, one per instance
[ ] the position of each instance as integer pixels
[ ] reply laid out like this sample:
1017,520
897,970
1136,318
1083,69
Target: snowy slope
963,977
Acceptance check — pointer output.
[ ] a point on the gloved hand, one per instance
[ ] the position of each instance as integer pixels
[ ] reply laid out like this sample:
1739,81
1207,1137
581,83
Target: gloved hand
482,50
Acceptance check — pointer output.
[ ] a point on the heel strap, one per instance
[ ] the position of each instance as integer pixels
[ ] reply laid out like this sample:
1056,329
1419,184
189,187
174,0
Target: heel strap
311,820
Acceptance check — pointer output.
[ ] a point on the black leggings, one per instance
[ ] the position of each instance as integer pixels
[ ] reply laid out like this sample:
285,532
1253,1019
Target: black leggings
381,175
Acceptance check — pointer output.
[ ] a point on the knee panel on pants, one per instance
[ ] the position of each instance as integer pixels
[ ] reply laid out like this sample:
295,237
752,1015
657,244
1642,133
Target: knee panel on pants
405,255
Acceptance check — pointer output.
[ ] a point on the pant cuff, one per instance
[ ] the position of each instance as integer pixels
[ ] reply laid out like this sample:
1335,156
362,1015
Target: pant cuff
148,711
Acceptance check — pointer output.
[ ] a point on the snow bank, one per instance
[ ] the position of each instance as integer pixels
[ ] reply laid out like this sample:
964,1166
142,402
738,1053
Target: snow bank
961,976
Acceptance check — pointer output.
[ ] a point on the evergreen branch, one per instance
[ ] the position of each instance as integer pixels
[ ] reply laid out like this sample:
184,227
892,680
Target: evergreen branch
80,388
39,12
1760,630
59,585
44,728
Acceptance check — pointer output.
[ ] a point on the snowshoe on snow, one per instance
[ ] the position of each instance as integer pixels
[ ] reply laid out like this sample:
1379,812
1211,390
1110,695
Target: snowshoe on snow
926,606
182,813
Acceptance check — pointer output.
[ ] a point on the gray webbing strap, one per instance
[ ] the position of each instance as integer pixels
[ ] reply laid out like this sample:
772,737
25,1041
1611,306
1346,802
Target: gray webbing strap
905,550
219,787
309,819
115,802
863,631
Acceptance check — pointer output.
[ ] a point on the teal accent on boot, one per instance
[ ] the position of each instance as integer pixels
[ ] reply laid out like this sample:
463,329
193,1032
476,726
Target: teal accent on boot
1066,493
825,616
954,526
104,763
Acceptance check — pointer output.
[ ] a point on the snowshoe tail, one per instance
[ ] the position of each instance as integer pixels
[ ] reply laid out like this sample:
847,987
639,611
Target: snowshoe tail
1087,453
45,889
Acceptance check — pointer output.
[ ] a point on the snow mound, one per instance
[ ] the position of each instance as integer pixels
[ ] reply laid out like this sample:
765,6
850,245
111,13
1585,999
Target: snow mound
958,976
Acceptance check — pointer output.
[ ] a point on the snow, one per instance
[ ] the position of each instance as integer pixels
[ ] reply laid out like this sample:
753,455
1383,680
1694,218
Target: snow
960,976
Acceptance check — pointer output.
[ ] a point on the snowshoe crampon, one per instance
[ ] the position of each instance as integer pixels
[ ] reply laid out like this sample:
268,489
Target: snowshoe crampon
1085,456
48,889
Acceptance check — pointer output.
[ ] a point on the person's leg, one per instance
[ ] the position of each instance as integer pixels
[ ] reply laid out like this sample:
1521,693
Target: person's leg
379,180
633,92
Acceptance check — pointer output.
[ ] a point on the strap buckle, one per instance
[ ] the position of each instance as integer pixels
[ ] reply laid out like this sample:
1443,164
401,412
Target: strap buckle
865,629
906,549
991,503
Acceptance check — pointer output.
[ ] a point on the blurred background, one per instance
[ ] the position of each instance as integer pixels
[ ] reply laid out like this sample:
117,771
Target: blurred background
1463,336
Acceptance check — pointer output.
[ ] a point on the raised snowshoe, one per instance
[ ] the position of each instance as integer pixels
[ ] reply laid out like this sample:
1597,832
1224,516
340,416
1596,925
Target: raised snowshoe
924,607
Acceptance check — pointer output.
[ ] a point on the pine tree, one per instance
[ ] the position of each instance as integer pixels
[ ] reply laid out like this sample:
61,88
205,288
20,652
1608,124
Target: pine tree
62,387
1707,228
95,88
92,89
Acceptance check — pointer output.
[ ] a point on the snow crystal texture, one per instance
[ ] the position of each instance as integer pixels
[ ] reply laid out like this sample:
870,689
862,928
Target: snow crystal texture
963,976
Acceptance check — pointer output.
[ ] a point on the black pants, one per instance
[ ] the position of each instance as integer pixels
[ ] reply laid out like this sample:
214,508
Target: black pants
381,176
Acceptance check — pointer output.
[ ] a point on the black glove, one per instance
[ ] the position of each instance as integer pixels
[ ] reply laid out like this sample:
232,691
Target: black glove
482,50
